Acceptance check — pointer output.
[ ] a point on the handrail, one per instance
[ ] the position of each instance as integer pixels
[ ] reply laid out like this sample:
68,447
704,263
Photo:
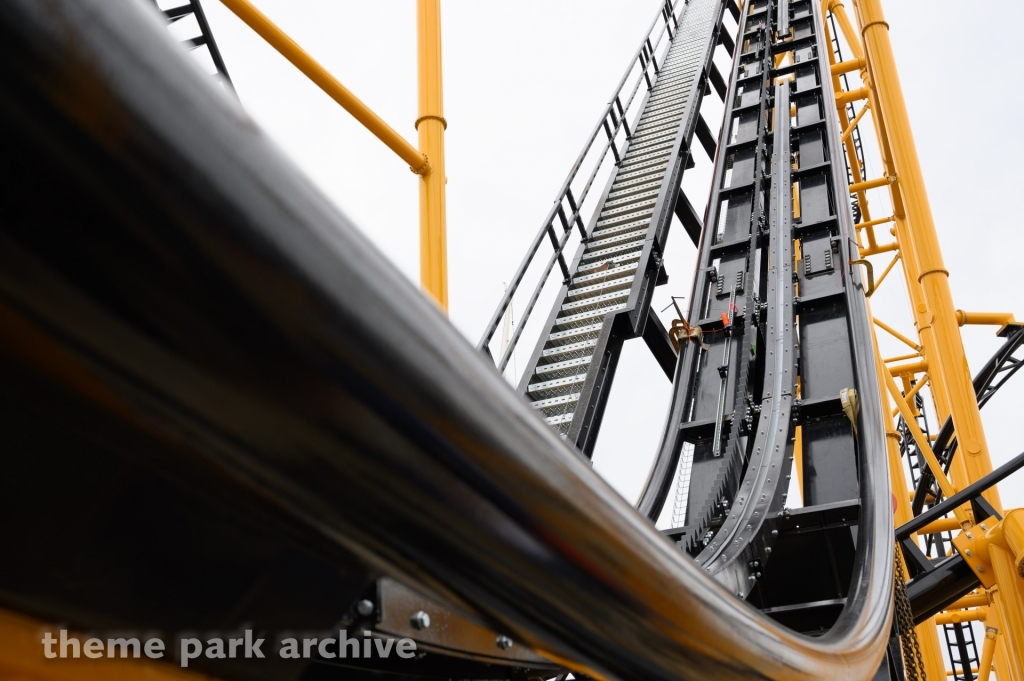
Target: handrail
290,50
615,110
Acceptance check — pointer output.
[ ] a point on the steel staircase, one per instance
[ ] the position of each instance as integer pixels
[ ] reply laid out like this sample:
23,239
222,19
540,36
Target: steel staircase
606,272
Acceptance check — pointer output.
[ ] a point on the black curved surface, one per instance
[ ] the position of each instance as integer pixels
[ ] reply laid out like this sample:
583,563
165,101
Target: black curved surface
871,463
171,274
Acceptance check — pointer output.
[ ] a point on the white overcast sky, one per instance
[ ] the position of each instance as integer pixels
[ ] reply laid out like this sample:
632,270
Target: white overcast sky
525,82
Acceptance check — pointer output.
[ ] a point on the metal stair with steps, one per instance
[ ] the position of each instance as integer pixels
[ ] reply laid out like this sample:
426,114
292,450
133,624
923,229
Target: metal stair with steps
610,266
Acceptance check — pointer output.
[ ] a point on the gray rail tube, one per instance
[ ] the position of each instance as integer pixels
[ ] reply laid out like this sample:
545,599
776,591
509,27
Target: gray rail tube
256,328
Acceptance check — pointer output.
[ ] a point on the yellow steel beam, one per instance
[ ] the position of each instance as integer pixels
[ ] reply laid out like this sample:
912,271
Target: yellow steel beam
948,363
871,184
927,634
954,616
922,442
885,272
896,334
988,648
909,369
902,358
431,125
908,257
872,223
291,51
851,95
948,525
853,124
880,248
985,318
909,395
1012,601
846,66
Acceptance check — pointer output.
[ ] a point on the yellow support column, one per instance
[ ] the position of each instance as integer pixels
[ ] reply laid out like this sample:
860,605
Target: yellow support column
948,362
1011,600
431,126
927,633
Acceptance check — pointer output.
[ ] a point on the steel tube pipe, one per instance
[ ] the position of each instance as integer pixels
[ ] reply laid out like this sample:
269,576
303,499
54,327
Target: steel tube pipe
302,60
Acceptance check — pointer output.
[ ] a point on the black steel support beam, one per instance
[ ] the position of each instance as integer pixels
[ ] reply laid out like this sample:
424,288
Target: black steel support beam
717,81
965,495
659,343
692,222
934,590
707,140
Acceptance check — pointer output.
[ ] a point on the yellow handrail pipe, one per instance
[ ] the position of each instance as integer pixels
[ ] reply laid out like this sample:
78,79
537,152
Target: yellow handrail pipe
955,616
847,66
985,318
845,98
290,50
909,369
431,125
934,305
872,223
872,184
853,124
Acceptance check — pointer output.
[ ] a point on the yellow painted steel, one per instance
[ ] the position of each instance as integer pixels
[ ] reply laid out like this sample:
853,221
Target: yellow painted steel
888,268
922,442
291,51
852,96
427,161
900,358
927,634
872,223
910,368
987,650
945,525
856,120
871,184
1012,611
953,616
941,346
431,125
999,319
896,334
845,67
948,363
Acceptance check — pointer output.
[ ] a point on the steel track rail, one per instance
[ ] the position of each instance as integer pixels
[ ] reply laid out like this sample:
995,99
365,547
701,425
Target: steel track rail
197,287
738,552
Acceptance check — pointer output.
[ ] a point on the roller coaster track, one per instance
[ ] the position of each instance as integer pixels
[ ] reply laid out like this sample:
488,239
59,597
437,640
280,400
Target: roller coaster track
189,330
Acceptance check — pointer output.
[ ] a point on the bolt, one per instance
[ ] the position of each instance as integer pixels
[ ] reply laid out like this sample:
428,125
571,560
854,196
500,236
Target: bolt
364,608
983,526
420,620
970,536
968,552
981,568
504,642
